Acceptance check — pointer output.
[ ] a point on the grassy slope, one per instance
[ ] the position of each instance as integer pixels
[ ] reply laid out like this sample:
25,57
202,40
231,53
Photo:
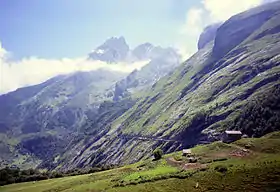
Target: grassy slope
258,170
218,90
202,97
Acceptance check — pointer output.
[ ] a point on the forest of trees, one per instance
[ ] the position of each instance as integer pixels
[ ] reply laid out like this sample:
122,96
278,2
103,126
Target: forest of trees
260,116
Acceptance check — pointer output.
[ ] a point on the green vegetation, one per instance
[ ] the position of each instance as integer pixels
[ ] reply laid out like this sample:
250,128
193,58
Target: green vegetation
220,167
15,175
157,153
86,119
148,175
261,115
211,92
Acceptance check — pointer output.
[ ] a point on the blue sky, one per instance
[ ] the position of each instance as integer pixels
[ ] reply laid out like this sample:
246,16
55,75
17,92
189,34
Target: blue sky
71,28
40,39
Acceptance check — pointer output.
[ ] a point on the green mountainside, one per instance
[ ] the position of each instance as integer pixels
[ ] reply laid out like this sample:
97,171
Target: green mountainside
38,122
251,164
232,83
107,118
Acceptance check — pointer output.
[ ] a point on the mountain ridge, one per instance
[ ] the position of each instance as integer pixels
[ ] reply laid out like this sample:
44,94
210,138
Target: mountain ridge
116,49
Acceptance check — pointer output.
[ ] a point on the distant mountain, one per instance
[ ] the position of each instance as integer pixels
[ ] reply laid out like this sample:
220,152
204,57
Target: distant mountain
162,62
148,51
50,113
116,50
143,52
40,121
112,51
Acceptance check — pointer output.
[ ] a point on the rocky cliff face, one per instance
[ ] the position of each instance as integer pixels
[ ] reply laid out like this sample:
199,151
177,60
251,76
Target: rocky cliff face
240,27
208,35
112,51
223,86
116,50
143,52
163,61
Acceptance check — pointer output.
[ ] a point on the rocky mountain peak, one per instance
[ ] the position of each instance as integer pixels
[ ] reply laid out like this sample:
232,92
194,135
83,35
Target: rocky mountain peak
113,50
115,42
116,49
143,51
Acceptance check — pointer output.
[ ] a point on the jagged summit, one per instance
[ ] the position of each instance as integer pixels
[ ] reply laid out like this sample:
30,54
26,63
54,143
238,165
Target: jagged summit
113,50
116,49
143,51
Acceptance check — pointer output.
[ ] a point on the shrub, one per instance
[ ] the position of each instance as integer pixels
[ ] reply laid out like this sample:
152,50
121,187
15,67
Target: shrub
93,170
205,161
248,146
178,158
157,154
221,168
192,160
203,169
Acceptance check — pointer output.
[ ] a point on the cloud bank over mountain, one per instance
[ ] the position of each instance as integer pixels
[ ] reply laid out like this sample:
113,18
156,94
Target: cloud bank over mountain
113,55
33,70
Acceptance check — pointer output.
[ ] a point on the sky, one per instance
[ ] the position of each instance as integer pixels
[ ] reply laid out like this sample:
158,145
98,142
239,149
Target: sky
41,39
71,28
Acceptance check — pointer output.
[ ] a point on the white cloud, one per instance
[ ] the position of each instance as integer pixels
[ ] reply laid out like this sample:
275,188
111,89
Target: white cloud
3,52
31,71
222,10
193,21
190,32
211,11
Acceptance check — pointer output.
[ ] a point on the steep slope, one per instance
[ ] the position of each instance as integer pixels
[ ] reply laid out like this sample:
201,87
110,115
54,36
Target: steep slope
65,93
232,79
163,61
208,35
39,123
41,120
